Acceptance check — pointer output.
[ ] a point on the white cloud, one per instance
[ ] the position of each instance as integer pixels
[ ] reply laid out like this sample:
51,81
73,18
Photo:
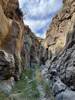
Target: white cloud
38,13
38,25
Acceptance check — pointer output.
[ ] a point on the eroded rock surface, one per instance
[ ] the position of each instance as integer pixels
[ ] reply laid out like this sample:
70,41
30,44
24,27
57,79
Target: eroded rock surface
61,25
31,49
16,40
64,62
60,40
11,39
61,35
60,90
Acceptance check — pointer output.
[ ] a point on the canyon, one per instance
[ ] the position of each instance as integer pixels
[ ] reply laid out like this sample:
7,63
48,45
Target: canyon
20,50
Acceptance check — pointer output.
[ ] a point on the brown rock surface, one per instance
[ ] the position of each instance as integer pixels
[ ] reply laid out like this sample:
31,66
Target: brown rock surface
11,37
64,62
17,40
62,24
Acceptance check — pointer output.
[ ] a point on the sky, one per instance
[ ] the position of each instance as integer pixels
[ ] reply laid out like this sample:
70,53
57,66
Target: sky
38,14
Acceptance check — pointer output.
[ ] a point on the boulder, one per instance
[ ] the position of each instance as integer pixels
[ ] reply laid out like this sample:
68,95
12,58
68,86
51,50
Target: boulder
60,90
7,65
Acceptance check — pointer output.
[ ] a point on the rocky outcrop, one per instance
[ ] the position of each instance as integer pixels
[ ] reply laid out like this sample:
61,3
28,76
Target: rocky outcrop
60,90
64,61
61,25
60,39
19,47
7,65
31,49
11,43
11,39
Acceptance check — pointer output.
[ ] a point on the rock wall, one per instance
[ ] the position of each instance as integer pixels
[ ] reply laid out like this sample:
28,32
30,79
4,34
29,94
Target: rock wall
63,62
61,25
31,49
19,47
11,39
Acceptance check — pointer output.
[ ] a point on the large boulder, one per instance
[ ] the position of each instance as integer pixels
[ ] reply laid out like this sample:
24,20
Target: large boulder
60,90
7,65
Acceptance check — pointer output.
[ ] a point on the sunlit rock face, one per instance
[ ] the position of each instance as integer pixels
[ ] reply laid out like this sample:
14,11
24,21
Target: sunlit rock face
4,25
61,25
63,62
11,38
19,47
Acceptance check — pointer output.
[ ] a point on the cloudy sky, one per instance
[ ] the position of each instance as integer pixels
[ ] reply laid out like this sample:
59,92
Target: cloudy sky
38,14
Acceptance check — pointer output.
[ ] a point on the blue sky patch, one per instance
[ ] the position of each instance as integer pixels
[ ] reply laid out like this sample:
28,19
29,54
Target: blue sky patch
39,13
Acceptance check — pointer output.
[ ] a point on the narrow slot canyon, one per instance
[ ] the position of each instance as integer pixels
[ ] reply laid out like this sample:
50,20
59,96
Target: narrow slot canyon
35,68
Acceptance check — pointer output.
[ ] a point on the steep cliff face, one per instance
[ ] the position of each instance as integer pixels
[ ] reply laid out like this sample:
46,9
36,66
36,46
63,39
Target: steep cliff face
64,62
31,49
61,25
19,47
11,38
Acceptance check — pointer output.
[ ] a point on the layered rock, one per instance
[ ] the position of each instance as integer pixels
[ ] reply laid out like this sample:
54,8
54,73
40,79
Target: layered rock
19,47
64,62
31,49
11,39
61,25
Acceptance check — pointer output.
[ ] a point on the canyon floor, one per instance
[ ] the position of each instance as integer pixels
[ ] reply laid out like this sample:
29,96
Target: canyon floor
34,85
